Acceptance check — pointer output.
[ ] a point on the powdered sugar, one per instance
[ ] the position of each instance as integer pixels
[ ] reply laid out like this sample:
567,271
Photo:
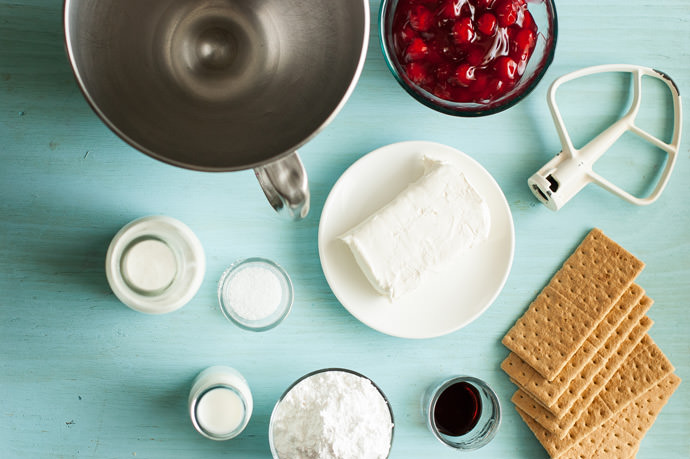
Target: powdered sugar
332,415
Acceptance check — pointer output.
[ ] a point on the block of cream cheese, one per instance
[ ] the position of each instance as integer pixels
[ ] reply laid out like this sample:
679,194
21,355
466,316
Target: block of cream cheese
428,225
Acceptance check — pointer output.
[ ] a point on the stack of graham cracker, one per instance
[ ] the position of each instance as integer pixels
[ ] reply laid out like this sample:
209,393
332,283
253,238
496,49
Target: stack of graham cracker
591,380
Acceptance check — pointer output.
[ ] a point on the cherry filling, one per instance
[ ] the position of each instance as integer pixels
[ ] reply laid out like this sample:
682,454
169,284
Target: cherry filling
464,50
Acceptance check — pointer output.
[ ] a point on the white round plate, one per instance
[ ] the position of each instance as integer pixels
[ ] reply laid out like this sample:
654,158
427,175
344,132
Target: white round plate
444,301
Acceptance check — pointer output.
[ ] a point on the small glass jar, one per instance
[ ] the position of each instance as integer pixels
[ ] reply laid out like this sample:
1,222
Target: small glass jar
155,264
462,412
220,403
255,294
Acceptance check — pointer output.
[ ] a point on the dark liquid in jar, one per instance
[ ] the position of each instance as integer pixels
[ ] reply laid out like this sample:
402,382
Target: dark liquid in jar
458,409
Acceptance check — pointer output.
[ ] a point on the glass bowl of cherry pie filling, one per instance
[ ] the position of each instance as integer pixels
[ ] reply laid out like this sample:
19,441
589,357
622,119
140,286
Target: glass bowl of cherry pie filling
468,57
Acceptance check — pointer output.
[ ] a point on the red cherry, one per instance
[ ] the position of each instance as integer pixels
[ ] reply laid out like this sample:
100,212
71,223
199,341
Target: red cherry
506,68
485,3
494,88
507,13
486,94
417,73
463,31
523,43
528,20
421,19
487,24
464,74
417,50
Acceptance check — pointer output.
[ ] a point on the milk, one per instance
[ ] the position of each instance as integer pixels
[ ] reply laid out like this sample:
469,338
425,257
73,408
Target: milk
220,411
155,264
149,265
220,403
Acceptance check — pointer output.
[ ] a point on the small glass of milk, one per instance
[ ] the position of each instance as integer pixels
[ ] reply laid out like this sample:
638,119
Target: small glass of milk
155,264
220,403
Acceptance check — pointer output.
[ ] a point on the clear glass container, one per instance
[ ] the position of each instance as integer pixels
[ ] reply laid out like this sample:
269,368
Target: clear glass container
220,403
255,294
487,420
155,264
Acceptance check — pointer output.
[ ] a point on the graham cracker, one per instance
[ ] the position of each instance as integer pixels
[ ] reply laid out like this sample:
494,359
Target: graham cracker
593,386
571,306
530,398
547,392
619,437
597,273
609,358
549,333
586,388
623,437
587,447
642,370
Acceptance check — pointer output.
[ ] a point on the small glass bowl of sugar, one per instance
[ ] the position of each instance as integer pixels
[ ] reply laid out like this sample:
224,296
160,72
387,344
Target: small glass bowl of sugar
255,293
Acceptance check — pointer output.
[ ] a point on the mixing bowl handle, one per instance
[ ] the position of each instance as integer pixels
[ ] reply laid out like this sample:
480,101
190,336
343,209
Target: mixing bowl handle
284,182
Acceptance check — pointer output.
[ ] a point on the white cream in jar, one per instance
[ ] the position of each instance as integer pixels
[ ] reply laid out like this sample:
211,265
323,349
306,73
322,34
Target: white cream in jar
220,403
155,264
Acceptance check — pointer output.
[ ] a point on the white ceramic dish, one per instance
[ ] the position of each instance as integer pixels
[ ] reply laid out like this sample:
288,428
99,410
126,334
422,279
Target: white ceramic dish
445,301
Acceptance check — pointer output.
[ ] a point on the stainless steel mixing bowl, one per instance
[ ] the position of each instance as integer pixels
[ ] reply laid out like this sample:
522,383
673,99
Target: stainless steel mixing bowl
220,85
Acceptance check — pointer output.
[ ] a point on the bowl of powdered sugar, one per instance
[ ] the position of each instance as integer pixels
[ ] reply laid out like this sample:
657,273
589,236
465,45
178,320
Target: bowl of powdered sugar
332,414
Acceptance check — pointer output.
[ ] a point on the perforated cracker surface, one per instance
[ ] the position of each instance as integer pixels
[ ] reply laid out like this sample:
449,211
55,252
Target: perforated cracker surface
547,392
595,276
608,359
624,433
619,437
549,333
642,370
572,305
584,389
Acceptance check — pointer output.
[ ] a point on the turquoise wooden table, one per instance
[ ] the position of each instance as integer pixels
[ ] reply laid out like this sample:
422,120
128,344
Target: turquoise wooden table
81,375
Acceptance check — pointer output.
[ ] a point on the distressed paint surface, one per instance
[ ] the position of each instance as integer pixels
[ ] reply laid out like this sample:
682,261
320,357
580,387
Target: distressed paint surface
83,376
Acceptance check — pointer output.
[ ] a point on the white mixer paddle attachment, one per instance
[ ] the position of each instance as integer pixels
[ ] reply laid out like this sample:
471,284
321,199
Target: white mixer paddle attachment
571,170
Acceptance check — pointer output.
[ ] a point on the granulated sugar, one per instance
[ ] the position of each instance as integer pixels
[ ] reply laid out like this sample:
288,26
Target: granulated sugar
254,292
333,415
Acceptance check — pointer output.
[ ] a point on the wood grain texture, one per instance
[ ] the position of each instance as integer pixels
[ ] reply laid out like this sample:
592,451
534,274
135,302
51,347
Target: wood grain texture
83,376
